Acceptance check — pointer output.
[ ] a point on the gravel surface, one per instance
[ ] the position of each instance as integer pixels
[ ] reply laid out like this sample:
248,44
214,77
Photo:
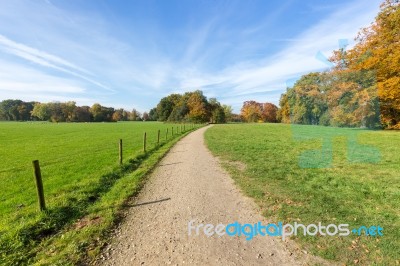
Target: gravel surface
189,184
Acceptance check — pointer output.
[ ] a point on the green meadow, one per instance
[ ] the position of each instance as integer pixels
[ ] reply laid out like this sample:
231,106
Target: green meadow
84,184
311,174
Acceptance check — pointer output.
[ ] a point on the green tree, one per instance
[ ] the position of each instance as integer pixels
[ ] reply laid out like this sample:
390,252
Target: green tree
153,116
82,114
167,105
67,110
41,111
9,110
96,112
228,111
217,111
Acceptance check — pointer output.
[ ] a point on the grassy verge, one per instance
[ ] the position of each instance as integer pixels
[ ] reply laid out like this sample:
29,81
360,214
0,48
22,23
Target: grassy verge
76,224
267,161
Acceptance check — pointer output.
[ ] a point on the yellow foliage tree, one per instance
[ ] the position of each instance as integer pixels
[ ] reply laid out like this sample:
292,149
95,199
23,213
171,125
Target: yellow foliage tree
378,49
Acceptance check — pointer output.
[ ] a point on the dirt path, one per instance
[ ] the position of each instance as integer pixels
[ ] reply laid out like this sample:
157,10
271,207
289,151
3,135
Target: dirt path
190,184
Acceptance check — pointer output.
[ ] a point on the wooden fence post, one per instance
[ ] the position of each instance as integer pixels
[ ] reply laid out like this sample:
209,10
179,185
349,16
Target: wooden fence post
39,185
172,131
166,135
120,151
144,142
158,138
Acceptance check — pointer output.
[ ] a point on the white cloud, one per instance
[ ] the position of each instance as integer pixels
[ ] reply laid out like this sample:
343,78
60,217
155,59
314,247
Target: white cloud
74,55
269,74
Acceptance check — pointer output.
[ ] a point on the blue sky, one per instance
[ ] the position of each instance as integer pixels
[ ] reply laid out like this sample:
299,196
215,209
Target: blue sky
130,54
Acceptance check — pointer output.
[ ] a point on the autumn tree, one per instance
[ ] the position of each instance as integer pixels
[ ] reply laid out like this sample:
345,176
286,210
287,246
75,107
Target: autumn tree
339,97
251,111
378,51
67,110
269,112
145,116
117,115
363,87
134,114
198,107
283,114
190,107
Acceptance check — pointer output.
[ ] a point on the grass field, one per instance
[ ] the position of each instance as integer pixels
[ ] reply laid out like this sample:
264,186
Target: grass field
83,184
278,166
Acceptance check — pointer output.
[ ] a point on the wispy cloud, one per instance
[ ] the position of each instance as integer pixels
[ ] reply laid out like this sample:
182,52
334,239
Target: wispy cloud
45,59
265,78
52,51
40,56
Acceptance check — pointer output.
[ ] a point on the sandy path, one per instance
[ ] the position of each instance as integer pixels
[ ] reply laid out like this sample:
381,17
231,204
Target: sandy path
190,184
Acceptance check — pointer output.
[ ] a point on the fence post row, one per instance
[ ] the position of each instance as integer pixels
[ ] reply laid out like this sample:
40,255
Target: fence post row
38,175
39,185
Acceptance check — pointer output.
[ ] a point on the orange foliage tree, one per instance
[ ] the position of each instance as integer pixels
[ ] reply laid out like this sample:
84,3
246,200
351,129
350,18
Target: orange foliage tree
378,50
269,112
253,111
362,89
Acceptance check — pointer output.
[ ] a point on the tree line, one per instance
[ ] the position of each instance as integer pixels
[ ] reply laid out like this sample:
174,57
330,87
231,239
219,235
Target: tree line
17,110
363,87
361,90
187,107
191,106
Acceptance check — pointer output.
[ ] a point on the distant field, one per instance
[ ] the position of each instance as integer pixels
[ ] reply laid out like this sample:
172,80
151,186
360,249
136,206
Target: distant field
74,159
268,162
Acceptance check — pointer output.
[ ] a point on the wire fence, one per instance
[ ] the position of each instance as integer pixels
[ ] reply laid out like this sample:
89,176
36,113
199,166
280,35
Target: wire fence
123,150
